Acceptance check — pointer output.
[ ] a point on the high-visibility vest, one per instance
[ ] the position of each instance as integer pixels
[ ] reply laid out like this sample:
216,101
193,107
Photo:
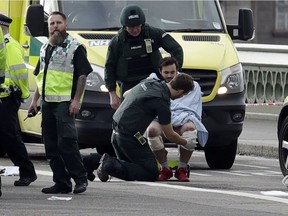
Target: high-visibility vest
16,75
60,71
2,57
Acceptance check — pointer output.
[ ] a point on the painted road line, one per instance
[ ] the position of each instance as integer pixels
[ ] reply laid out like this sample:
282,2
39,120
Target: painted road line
224,192
179,187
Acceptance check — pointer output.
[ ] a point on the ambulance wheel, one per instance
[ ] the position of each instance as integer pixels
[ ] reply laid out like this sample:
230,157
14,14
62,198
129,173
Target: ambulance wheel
221,157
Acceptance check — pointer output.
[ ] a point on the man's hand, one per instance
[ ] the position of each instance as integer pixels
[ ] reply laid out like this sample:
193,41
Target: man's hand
74,107
114,100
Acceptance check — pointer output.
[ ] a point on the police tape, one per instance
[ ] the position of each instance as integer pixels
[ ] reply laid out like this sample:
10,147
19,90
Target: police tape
265,104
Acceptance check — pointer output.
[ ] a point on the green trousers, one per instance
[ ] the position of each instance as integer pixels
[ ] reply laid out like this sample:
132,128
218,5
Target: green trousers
138,160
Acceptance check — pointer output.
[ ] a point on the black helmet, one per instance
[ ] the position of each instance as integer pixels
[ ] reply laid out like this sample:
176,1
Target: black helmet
132,15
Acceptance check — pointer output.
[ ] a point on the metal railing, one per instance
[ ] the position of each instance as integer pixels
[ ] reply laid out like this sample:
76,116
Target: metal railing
265,72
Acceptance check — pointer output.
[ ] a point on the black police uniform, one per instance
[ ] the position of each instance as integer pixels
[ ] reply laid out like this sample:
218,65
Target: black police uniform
10,139
132,59
146,101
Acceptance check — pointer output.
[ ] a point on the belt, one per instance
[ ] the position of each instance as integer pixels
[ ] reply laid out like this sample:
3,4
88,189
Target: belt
120,133
137,136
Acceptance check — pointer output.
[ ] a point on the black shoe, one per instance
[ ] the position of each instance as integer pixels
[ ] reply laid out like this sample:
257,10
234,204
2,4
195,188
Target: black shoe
90,176
56,189
80,188
90,165
25,181
110,166
101,173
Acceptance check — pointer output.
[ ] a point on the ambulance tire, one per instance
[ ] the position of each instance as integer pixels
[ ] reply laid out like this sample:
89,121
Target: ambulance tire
221,157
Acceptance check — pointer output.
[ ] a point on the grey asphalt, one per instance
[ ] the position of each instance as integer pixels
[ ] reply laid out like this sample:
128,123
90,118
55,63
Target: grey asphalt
258,138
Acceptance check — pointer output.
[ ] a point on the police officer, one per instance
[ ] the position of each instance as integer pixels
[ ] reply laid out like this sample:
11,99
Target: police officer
2,69
148,99
134,52
61,77
13,91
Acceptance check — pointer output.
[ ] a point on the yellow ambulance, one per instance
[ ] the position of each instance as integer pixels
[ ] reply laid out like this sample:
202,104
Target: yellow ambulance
209,56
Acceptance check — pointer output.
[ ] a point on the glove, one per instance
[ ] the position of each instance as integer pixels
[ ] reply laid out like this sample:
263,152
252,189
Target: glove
191,144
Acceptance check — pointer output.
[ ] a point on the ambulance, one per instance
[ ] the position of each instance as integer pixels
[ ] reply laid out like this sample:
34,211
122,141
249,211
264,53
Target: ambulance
209,56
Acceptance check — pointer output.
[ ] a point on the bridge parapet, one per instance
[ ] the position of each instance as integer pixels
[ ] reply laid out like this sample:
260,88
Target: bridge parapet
265,71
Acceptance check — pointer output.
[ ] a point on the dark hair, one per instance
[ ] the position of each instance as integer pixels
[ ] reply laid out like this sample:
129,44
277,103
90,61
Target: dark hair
58,13
168,61
182,82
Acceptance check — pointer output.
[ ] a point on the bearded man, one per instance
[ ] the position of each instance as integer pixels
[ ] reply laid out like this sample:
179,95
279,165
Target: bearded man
61,77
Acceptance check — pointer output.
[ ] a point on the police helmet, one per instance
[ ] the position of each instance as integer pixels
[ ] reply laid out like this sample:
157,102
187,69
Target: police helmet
132,15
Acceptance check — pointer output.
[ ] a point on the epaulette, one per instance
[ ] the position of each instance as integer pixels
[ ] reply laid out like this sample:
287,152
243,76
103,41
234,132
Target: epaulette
6,40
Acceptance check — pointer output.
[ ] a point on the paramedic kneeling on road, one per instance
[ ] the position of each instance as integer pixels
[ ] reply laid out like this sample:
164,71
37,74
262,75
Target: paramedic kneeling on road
148,99
185,119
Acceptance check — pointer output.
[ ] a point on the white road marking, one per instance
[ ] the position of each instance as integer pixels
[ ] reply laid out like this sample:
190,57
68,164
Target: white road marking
246,165
199,174
230,173
274,193
180,187
45,173
233,193
263,173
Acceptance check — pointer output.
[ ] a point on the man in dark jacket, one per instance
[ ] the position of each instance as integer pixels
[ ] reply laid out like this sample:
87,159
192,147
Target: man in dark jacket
134,52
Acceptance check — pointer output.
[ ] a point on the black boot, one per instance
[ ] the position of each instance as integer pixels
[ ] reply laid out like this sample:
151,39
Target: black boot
91,163
110,166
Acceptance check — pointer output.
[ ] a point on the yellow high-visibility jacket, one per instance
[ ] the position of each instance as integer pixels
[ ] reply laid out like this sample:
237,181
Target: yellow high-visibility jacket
60,71
2,57
16,76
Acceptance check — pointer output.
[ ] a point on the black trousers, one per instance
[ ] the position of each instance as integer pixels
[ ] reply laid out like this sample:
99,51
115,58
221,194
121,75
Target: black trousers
61,147
138,160
10,138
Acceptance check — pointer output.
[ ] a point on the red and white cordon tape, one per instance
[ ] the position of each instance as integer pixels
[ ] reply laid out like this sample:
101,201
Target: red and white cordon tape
265,104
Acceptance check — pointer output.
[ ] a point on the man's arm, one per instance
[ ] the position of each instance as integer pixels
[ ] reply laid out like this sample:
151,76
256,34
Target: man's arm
110,73
171,135
35,98
170,45
75,103
189,142
110,66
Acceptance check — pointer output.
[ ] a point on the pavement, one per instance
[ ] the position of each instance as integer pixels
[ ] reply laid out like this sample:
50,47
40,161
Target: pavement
261,142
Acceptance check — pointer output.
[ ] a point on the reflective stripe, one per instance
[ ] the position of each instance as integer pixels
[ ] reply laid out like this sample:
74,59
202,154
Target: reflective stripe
17,67
2,45
57,98
16,77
